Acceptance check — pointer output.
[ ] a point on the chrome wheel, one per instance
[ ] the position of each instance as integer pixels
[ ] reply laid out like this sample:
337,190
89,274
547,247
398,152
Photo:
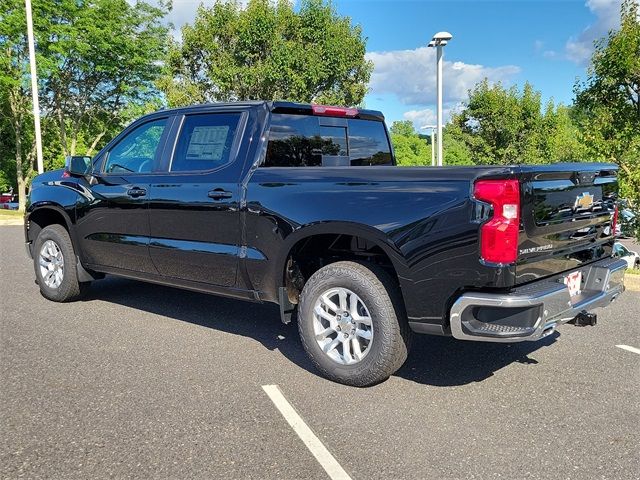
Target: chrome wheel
51,263
342,326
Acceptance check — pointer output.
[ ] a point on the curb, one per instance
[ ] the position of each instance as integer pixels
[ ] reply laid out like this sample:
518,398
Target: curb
632,282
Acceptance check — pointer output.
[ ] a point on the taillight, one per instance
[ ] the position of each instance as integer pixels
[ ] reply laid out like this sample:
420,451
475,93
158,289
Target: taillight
499,235
334,111
614,220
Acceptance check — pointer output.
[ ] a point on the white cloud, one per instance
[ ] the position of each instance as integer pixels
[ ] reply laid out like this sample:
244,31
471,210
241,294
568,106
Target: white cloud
184,11
410,75
579,49
427,116
421,118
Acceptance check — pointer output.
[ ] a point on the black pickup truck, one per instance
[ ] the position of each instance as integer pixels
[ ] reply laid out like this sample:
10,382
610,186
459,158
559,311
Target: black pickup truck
303,206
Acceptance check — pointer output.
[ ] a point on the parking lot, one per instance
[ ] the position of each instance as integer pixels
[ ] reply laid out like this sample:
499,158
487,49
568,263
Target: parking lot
146,381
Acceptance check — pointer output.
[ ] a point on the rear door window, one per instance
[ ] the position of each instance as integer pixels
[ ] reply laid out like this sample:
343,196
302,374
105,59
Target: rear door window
205,142
309,141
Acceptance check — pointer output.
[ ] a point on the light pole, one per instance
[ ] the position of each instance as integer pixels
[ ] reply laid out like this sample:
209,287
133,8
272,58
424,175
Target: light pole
439,40
433,147
34,86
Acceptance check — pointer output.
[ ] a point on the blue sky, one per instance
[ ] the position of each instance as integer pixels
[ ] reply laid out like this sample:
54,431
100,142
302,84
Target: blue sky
545,42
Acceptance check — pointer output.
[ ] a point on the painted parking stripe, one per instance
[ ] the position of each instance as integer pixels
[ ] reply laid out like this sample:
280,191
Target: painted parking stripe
313,443
629,349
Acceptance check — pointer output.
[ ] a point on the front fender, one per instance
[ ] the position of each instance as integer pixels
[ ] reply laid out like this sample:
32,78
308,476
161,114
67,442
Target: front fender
60,196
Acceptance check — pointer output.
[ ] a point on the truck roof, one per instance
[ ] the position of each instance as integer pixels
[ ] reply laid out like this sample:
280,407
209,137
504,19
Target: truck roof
285,107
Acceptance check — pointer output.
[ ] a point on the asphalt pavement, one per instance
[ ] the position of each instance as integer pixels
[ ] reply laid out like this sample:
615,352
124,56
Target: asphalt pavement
143,381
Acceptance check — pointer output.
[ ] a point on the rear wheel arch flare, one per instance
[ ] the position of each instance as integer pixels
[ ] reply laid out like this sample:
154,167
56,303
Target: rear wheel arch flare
329,241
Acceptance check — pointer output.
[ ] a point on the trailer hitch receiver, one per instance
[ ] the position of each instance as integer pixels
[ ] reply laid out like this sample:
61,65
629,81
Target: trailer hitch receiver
585,318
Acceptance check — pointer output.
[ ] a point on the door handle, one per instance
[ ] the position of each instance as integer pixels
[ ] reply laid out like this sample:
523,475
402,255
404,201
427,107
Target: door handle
136,192
219,194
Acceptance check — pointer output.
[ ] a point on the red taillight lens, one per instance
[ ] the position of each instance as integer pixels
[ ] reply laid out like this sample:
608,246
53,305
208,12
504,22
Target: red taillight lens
334,111
499,235
614,220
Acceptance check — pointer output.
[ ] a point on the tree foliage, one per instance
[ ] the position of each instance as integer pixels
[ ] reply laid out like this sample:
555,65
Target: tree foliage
410,149
608,101
504,126
97,63
268,51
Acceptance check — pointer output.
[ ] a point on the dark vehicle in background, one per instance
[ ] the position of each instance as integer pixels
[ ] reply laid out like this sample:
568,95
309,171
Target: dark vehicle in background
303,206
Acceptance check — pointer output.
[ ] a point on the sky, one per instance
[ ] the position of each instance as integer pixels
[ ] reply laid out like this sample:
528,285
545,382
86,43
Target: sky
545,42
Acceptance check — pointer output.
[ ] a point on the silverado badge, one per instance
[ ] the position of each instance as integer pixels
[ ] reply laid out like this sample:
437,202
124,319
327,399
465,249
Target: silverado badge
583,201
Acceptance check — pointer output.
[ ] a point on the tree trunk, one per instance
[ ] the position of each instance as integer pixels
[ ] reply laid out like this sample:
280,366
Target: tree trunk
63,131
22,187
16,107
95,142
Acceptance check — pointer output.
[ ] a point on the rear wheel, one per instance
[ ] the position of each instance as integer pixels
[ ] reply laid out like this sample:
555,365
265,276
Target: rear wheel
352,323
55,265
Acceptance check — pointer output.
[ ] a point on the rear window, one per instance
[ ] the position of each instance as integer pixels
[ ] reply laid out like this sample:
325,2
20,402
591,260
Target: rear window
310,141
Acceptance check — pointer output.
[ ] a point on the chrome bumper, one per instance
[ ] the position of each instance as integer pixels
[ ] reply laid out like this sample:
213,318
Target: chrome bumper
533,311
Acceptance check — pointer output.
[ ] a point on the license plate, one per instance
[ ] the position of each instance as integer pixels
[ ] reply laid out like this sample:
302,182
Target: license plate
573,281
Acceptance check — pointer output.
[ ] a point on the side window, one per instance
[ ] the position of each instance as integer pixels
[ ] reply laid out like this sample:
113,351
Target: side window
368,143
136,152
300,141
205,142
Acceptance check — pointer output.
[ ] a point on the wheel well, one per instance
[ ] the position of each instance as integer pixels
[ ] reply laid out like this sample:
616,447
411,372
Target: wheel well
42,218
312,253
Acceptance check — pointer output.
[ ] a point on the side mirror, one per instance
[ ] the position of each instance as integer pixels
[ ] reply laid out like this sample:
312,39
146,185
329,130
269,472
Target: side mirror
77,164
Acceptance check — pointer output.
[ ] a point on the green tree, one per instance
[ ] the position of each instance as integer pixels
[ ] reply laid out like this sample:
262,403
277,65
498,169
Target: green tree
508,126
410,149
268,51
608,102
97,64
454,150
105,60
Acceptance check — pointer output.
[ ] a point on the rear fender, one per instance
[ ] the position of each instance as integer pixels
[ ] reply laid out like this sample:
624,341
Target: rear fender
373,235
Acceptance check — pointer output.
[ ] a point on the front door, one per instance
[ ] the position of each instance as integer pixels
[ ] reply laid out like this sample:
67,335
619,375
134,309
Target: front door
194,209
113,222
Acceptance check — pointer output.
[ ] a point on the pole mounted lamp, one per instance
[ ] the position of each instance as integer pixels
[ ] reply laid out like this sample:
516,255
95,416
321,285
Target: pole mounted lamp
439,40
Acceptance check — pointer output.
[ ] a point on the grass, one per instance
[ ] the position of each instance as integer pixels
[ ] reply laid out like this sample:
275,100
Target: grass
7,214
635,271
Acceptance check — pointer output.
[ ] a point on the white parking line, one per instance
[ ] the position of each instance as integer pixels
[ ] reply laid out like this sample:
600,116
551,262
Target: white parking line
313,443
629,349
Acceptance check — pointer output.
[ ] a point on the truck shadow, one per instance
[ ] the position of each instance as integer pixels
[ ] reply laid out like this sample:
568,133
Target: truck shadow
436,361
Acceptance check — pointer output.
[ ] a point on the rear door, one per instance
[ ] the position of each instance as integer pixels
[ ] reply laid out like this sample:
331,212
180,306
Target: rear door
113,222
194,207
567,211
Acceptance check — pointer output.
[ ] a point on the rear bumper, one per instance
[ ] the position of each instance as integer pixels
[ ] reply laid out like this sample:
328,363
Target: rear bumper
533,311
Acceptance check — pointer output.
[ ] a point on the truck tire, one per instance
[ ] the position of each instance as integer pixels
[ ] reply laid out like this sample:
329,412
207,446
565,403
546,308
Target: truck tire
352,323
54,260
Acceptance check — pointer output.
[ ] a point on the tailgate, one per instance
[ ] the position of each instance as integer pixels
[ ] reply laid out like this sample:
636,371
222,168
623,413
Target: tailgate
567,211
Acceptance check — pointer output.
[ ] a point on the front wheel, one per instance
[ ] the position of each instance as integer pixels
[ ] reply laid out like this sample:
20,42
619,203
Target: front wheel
352,323
55,265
